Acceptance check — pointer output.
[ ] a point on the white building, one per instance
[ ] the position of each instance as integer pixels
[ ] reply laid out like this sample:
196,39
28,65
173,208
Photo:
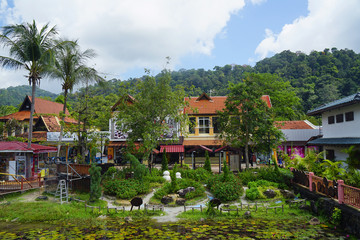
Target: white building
340,126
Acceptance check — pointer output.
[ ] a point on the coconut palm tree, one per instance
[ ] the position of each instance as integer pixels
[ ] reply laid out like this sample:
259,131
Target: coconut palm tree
71,69
31,49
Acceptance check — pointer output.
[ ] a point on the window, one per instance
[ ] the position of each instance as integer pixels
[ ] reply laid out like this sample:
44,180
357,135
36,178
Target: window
349,116
339,118
331,120
192,125
216,125
204,124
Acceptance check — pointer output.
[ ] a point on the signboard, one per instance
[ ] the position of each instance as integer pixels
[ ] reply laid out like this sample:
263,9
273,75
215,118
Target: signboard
54,137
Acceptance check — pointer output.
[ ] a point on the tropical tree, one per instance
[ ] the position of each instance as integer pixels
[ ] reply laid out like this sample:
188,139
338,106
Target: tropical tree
152,107
31,49
71,69
247,119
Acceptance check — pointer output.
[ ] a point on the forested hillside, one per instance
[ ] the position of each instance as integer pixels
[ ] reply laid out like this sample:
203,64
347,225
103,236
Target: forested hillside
316,78
15,95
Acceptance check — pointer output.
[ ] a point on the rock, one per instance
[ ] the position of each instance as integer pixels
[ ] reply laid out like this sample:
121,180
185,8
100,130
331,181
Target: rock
314,221
101,217
202,219
269,193
183,192
287,194
128,219
41,198
167,176
305,207
166,199
247,214
314,207
180,201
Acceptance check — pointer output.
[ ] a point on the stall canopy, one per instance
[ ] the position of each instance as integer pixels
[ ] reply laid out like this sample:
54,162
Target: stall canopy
15,146
172,148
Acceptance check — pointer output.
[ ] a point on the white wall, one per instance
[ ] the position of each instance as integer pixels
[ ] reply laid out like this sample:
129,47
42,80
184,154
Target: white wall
344,129
338,151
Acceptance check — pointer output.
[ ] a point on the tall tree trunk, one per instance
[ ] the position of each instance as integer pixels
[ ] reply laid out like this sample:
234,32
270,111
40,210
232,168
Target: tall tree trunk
62,126
33,89
247,148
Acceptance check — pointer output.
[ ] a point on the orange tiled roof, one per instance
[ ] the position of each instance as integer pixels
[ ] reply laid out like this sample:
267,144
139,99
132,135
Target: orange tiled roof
20,116
293,125
210,105
48,107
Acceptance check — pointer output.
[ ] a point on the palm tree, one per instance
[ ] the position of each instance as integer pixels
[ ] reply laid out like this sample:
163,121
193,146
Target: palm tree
30,49
70,68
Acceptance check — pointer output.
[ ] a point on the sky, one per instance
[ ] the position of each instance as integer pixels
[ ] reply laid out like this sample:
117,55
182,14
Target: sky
132,35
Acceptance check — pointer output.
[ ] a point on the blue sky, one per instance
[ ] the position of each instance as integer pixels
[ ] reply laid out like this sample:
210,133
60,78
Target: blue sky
131,35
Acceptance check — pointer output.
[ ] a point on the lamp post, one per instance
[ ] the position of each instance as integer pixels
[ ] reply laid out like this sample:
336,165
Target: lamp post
193,159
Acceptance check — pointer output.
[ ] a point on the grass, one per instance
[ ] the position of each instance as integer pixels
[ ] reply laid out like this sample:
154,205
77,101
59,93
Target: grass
27,212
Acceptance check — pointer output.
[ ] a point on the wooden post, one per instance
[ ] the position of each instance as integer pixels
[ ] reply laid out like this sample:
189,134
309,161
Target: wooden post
311,174
184,208
341,191
200,208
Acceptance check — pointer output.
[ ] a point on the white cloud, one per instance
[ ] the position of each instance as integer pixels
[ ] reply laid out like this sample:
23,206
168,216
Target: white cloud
130,34
329,23
257,2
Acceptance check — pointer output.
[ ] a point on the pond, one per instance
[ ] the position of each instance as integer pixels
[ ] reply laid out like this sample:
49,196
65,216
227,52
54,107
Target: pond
149,229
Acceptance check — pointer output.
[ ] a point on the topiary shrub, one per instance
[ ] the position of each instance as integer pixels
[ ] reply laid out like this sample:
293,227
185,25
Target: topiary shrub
228,190
164,162
95,179
140,170
207,165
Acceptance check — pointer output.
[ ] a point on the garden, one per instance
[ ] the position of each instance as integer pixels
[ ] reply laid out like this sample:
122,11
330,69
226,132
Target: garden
254,205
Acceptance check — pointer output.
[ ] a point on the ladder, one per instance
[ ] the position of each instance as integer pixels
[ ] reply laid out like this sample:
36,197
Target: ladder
62,192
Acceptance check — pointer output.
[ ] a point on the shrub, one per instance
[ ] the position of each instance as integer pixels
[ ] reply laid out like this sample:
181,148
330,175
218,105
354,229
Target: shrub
181,184
140,170
228,190
252,193
248,175
164,162
199,174
207,165
95,188
125,188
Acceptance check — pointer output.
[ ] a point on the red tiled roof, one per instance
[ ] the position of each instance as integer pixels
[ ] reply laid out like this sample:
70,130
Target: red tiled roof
44,106
20,116
172,148
210,105
293,125
15,146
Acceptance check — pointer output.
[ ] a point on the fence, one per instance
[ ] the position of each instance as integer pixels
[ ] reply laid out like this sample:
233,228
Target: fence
20,185
335,189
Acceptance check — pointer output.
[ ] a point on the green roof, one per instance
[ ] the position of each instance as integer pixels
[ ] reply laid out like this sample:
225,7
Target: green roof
346,101
335,141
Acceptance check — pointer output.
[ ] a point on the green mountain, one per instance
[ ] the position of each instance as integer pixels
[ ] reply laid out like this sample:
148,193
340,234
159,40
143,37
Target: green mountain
15,95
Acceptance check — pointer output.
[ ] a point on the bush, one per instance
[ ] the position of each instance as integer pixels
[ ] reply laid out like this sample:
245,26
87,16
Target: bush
140,170
199,174
228,190
252,193
207,165
164,162
248,175
181,184
95,188
125,189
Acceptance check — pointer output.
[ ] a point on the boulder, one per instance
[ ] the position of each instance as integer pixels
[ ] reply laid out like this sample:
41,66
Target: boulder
183,192
180,201
314,221
41,198
247,214
166,200
269,193
287,194
305,207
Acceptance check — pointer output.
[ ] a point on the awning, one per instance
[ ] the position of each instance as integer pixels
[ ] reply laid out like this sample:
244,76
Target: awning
15,146
200,146
335,141
172,148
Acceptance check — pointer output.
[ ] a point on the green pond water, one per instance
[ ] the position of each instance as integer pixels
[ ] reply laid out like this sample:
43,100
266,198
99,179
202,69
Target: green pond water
148,229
